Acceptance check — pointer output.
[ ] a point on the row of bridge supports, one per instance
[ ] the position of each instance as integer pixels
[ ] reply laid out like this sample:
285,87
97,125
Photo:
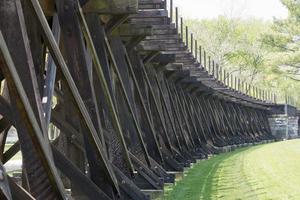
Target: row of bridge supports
129,99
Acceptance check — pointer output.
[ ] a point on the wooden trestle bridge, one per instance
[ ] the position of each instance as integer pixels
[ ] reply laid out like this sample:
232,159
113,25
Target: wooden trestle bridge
132,94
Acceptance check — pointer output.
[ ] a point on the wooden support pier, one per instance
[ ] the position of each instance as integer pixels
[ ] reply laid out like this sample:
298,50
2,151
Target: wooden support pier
130,93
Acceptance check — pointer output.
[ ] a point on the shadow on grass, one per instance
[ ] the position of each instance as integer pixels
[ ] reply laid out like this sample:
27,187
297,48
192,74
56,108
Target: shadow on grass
201,181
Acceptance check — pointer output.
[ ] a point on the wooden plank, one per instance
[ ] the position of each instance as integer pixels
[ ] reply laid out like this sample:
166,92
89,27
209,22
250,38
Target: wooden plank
126,30
111,6
150,14
164,58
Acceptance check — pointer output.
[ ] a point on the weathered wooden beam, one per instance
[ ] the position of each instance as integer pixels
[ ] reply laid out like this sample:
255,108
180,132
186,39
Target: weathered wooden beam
18,193
133,30
108,98
115,22
28,117
90,189
150,14
60,63
154,47
48,90
11,152
111,6
164,58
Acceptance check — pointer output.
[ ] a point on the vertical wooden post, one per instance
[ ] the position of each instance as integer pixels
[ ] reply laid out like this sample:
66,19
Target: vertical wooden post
200,55
285,99
176,18
217,69
242,88
220,74
260,94
192,43
235,83
271,97
209,66
213,68
249,89
187,36
171,10
196,50
204,59
181,28
227,77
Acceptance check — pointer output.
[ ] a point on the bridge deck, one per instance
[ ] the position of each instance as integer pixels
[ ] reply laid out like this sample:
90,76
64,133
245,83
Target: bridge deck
108,100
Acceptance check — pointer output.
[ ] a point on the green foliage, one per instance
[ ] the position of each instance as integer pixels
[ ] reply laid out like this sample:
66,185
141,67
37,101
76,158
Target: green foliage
263,53
283,46
233,43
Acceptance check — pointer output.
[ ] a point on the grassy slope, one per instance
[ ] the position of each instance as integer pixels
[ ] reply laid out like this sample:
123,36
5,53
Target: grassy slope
270,171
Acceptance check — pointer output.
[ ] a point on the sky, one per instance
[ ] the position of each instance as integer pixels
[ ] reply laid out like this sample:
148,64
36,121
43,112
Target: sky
207,9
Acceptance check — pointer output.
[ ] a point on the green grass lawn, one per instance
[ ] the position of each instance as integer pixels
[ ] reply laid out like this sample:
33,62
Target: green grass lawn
269,171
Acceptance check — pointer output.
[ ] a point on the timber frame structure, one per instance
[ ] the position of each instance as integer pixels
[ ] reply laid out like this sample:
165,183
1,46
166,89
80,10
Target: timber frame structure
132,101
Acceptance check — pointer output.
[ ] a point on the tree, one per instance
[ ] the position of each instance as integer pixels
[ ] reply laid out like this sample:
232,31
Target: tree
283,45
234,44
263,53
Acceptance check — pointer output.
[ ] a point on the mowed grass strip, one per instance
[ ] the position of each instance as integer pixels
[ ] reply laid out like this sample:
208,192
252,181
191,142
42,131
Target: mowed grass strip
269,171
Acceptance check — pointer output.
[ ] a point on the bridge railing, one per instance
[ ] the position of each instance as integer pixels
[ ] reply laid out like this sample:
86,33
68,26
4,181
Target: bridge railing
213,68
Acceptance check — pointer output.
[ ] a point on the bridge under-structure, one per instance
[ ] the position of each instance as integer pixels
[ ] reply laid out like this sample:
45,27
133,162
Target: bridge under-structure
132,95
